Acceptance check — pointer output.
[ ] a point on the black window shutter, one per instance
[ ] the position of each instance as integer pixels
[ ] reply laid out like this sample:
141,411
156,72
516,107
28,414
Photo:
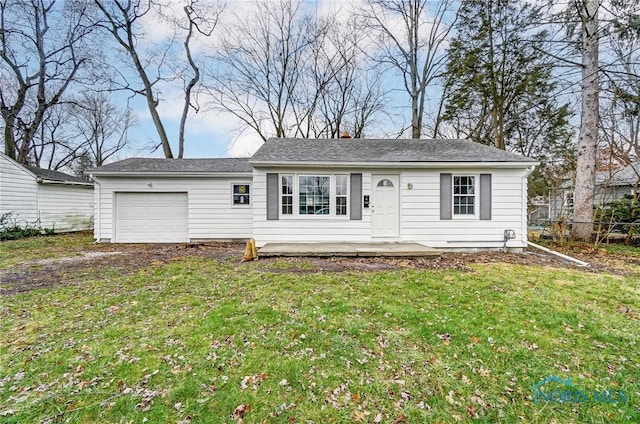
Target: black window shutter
355,200
445,196
485,197
273,196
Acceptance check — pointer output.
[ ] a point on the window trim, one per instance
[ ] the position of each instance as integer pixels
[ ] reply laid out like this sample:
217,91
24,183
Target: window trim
233,194
346,195
281,195
476,197
296,215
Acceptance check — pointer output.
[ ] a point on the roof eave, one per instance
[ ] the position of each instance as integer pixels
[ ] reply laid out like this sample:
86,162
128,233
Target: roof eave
168,174
413,165
78,183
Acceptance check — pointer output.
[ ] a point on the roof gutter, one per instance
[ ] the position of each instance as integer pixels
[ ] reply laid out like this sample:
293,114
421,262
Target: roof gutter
306,164
43,181
168,174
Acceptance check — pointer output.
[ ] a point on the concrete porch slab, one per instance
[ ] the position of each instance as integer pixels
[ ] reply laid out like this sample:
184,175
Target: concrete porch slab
387,249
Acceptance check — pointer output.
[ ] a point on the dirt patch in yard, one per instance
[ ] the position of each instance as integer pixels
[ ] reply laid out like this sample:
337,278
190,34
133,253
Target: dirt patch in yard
451,261
99,259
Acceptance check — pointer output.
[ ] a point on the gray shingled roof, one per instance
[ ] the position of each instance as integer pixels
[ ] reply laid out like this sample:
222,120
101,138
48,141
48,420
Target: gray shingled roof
135,165
51,175
380,150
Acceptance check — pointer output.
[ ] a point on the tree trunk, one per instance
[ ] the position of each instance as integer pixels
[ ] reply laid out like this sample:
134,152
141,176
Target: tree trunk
9,140
587,145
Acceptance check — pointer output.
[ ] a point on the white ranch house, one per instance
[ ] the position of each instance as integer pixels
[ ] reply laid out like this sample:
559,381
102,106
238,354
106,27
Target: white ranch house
447,194
46,198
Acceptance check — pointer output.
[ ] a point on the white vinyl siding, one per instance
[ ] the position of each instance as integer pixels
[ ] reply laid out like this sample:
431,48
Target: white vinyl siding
211,215
61,207
18,192
151,217
419,212
305,228
66,207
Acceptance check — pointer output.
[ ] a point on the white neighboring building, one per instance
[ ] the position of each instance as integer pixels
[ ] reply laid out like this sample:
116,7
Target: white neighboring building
45,198
448,194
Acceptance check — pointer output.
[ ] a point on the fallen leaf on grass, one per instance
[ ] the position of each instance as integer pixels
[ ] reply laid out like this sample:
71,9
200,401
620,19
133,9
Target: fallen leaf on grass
471,410
445,337
252,381
240,411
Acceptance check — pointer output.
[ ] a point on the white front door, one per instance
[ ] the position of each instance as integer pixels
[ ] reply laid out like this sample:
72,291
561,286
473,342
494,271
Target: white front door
385,206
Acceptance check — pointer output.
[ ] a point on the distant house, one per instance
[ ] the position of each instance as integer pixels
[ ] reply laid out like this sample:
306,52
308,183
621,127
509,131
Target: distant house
609,186
449,194
50,199
613,185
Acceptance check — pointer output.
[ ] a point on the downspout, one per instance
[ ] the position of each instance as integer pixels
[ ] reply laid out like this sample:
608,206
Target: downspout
97,221
525,204
558,254
38,181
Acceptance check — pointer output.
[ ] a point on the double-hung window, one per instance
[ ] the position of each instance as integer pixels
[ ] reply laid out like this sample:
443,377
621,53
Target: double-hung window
342,185
286,185
464,195
325,195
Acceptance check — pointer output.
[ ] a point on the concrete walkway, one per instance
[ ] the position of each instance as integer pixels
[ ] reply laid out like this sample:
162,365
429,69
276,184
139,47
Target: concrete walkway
388,249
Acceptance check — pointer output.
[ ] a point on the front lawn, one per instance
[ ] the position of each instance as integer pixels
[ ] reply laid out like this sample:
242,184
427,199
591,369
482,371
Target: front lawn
211,340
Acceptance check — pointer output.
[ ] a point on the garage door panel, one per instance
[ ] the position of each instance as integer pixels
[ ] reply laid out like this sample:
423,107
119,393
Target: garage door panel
151,217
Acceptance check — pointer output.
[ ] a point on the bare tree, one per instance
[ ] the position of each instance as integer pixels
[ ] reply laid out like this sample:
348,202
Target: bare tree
125,20
416,50
620,93
261,63
286,73
121,19
40,57
200,20
102,128
582,228
86,130
352,94
55,145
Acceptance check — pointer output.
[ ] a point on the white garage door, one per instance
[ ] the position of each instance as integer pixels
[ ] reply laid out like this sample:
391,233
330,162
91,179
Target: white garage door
151,217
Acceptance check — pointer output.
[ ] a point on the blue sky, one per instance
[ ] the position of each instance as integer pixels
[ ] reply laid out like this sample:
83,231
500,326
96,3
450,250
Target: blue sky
210,134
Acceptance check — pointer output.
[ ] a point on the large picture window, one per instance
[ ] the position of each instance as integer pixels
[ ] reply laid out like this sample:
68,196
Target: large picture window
314,195
302,195
464,195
